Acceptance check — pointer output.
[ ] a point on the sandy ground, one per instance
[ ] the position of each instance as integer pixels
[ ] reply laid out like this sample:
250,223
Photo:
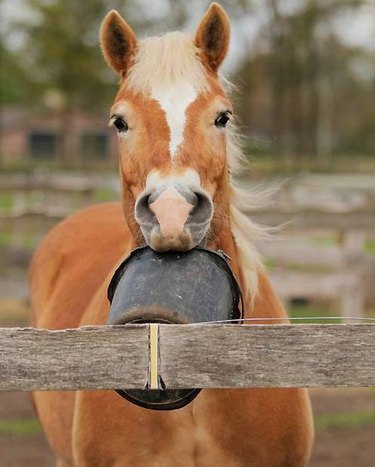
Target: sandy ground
27,450
334,447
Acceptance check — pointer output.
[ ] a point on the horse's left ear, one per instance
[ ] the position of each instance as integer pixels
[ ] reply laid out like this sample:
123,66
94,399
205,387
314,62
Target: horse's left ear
212,36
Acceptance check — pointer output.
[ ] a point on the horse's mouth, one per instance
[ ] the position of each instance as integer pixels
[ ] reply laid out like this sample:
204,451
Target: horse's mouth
184,241
149,315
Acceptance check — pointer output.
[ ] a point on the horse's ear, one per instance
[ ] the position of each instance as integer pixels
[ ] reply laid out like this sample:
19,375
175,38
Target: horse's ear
212,36
118,42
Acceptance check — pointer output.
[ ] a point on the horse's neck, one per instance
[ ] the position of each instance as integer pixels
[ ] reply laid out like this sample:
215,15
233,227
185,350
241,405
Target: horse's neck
266,304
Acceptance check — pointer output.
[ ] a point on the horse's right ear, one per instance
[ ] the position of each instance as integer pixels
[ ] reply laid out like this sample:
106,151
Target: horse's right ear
118,42
212,36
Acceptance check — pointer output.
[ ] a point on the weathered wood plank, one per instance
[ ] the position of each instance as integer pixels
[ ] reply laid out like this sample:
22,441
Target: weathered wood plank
329,285
295,220
89,358
290,252
306,219
267,356
190,356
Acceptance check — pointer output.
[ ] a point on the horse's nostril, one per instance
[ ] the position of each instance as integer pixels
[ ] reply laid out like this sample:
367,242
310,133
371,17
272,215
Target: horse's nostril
192,198
145,200
202,210
143,212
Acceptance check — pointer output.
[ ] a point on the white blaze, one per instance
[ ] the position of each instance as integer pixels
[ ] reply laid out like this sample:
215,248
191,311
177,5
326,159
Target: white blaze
189,177
174,100
168,70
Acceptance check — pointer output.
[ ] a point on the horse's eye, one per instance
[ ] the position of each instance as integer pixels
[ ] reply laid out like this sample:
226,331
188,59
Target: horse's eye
222,120
120,124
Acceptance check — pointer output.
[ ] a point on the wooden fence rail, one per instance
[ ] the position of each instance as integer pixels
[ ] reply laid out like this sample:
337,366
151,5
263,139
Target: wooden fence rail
293,219
202,356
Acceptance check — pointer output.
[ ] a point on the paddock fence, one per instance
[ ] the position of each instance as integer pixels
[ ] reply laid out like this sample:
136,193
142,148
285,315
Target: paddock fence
338,272
188,356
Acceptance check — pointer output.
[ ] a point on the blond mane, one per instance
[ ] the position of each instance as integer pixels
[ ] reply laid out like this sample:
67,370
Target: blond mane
172,58
166,60
245,231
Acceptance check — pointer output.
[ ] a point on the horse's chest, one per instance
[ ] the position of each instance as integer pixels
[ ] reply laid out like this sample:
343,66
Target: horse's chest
191,447
218,429
111,432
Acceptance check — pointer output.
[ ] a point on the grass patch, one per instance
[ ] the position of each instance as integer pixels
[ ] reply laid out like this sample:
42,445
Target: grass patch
345,420
5,238
6,201
370,246
323,241
269,264
20,427
311,311
13,312
29,241
309,268
102,195
264,162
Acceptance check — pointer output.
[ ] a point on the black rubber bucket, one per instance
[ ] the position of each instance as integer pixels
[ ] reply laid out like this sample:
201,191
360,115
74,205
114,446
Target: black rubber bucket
175,288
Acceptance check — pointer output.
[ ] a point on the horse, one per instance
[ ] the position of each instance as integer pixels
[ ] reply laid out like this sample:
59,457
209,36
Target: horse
177,154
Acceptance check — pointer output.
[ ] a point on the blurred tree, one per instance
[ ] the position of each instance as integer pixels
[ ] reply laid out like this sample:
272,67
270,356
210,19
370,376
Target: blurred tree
298,76
63,56
301,91
13,80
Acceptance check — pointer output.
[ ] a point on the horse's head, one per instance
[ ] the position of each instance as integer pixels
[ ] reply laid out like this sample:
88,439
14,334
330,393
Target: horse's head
170,115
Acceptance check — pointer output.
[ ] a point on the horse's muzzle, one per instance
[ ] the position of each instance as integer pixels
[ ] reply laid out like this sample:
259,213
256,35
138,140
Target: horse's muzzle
172,288
174,217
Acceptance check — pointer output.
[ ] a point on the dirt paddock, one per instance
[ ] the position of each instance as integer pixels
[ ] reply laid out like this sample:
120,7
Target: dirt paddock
345,421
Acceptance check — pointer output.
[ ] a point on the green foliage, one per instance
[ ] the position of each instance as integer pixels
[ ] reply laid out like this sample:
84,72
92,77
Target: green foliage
65,53
62,49
14,83
303,92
